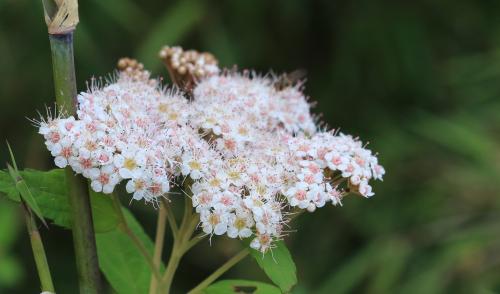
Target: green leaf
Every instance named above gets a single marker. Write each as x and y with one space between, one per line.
105 217
121 262
278 265
7 187
25 192
49 190
241 286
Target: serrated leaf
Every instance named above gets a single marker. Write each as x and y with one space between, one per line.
241 286
25 192
278 266
49 190
121 262
7 187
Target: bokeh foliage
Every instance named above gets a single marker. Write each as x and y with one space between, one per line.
420 80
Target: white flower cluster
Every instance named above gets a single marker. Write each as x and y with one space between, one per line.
251 150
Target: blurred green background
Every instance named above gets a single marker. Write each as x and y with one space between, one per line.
419 80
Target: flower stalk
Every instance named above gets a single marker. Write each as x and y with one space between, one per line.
182 241
160 238
37 247
220 271
61 18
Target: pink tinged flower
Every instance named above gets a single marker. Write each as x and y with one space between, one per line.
302 150
335 161
104 180
349 170
202 200
365 189
262 242
130 163
54 137
239 226
138 187
194 167
214 222
334 194
297 195
378 172
310 178
62 152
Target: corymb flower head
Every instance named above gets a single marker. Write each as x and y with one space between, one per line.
248 145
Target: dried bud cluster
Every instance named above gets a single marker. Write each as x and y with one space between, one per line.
133 68
187 67
252 150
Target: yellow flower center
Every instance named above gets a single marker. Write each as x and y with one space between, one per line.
213 219
195 165
243 131
129 164
163 107
234 175
173 116
215 183
139 185
240 223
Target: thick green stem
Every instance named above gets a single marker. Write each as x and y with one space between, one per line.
63 69
83 229
42 265
160 238
220 271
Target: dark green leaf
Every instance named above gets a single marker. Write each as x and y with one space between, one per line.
241 286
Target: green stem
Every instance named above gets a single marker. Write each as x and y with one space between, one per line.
138 243
181 244
42 265
160 237
83 229
63 69
171 217
220 271
195 240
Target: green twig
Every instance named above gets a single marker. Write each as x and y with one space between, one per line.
220 271
171 217
195 240
42 265
181 243
160 237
